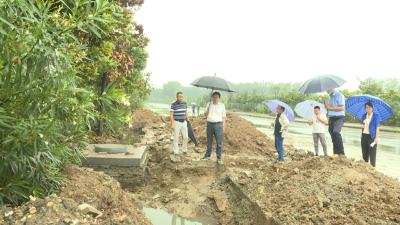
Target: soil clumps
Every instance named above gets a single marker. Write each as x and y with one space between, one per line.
89 197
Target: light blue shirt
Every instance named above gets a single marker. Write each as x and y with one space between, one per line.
336 99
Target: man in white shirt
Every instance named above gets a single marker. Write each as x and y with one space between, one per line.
318 120
216 115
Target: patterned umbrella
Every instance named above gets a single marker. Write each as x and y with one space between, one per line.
355 105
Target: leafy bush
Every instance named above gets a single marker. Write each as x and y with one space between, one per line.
45 112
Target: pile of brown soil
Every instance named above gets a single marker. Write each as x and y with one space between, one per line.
52 210
240 136
94 188
103 193
324 191
147 117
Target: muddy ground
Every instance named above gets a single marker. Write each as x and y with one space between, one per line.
304 190
98 190
249 187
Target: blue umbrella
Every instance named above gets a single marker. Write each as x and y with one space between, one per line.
355 105
272 104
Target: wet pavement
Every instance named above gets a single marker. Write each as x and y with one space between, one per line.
300 135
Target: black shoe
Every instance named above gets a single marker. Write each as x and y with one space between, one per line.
206 158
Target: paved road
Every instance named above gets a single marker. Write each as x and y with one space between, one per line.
388 156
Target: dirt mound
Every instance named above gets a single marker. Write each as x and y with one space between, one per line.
324 191
145 117
103 193
240 136
52 210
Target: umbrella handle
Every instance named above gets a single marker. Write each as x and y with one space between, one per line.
212 89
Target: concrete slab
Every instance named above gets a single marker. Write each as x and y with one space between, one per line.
110 148
134 156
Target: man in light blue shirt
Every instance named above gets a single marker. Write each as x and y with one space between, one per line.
336 108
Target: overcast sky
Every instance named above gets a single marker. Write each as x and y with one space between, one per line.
278 41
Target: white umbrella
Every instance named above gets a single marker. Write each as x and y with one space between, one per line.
306 109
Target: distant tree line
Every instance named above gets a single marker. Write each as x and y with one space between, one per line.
251 97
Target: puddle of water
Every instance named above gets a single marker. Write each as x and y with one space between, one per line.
161 217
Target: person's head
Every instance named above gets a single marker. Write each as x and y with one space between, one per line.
216 97
369 107
330 91
280 109
179 97
317 110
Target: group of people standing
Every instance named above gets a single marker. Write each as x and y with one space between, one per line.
216 115
335 105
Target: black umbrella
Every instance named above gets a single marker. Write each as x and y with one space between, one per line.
213 83
191 134
321 83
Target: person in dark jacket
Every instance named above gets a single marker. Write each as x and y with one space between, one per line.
370 124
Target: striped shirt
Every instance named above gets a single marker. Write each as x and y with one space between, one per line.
179 110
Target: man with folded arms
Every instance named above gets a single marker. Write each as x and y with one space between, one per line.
318 120
179 116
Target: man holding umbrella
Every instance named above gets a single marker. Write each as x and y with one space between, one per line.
336 111
281 126
216 115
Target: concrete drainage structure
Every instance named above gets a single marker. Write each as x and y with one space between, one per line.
125 163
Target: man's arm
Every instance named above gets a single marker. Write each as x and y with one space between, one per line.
206 111
285 124
324 121
337 109
187 116
310 122
171 116
223 124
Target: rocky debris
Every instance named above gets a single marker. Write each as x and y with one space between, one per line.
104 194
248 174
51 210
174 159
88 209
173 194
325 191
220 199
199 150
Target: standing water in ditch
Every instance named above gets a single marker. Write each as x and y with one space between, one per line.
161 217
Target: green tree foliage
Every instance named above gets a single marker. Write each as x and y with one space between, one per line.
370 86
52 56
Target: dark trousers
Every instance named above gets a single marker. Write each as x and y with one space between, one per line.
367 150
214 130
335 127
